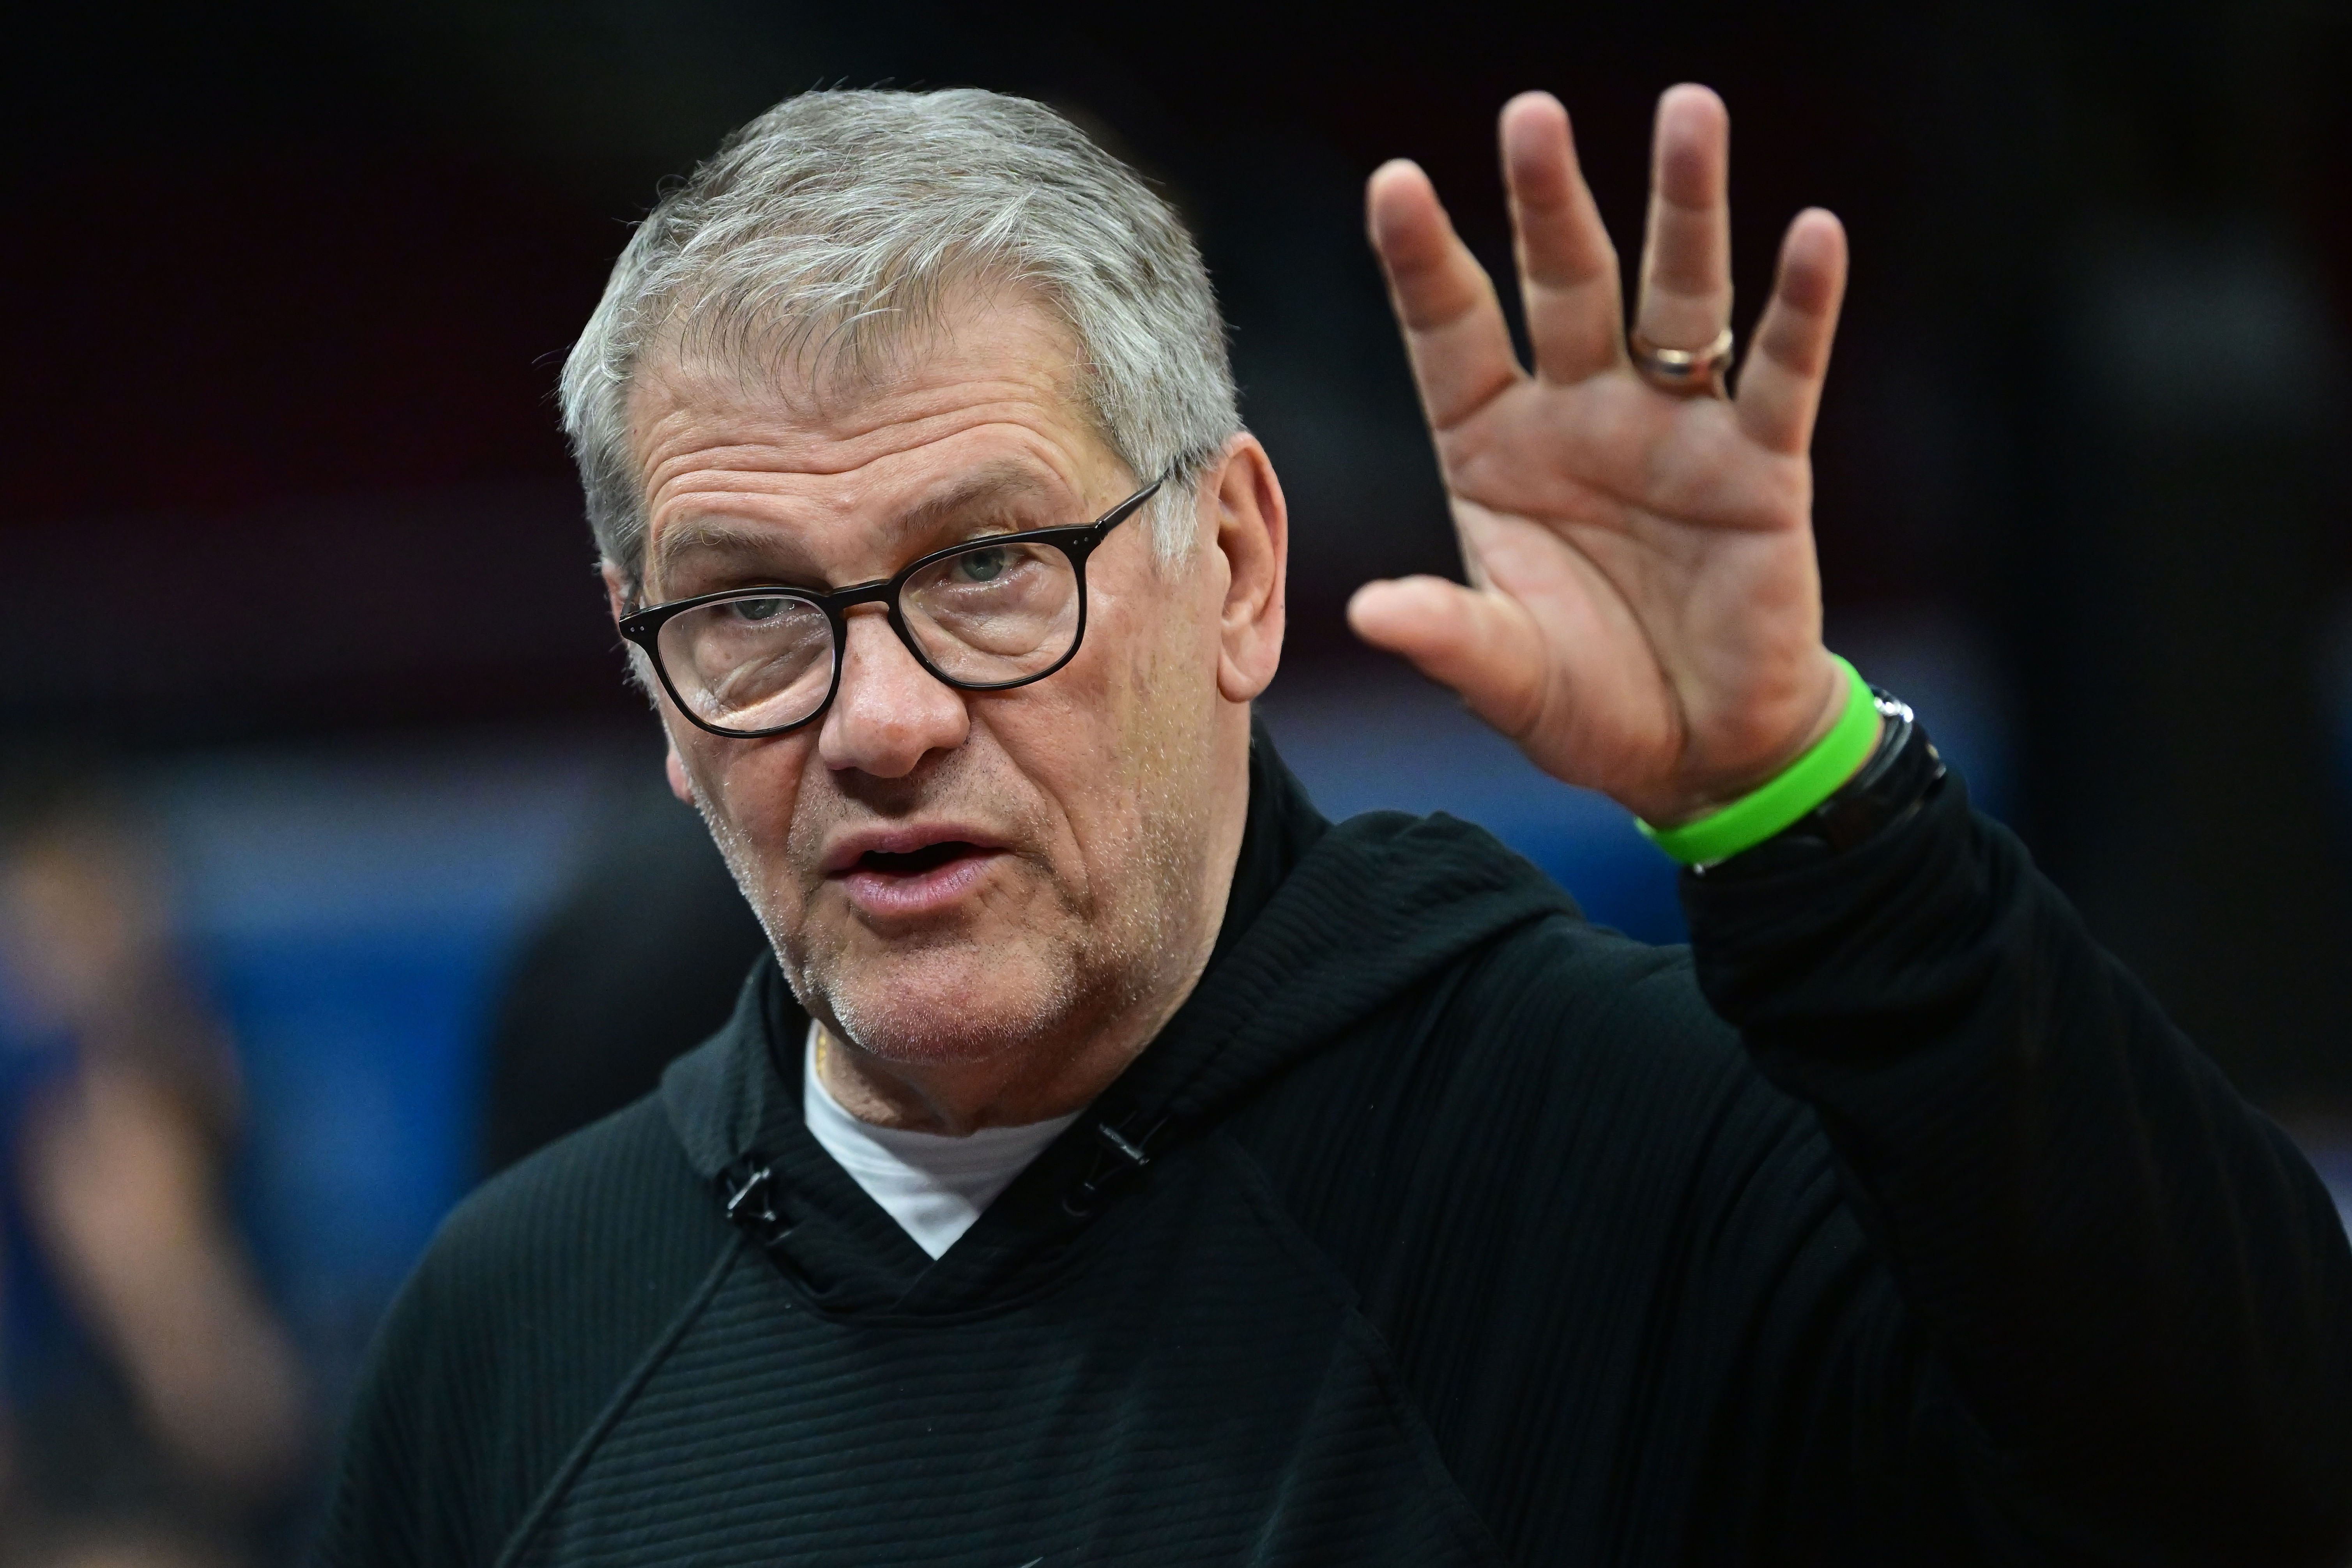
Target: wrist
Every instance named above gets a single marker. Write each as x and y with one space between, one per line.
1695 798
1901 774
1838 751
1836 696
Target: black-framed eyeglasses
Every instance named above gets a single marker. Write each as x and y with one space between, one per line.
987 614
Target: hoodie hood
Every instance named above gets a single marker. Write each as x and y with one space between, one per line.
1324 925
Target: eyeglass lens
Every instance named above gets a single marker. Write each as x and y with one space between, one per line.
987 615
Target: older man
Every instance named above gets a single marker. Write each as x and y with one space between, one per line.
1120 1162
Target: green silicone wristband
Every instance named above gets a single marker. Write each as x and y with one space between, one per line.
1803 786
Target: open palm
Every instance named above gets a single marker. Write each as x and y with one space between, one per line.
1643 616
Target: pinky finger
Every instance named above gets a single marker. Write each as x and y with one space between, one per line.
1780 384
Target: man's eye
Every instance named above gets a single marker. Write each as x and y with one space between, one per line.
984 565
756 610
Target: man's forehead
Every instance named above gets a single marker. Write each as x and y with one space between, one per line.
846 384
985 422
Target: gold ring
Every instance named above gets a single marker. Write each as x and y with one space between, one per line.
1683 372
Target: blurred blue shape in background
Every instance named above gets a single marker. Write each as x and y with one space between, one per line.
1380 736
1388 740
352 910
2332 1158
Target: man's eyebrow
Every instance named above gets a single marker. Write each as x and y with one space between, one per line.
1001 486
718 535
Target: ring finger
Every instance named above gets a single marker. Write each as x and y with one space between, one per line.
1686 298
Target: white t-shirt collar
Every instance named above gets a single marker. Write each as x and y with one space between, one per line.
932 1185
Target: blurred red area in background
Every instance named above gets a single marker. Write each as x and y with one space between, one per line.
226 330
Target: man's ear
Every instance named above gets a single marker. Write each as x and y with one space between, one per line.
616 596
1243 500
617 588
679 784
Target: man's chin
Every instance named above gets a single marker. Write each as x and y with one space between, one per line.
944 1009
913 1038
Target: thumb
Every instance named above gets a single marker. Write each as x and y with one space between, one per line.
1482 643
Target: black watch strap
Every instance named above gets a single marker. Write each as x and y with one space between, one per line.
1902 770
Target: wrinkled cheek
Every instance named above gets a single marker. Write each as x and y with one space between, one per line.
748 803
1144 709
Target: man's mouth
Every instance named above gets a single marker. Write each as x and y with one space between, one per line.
906 879
915 862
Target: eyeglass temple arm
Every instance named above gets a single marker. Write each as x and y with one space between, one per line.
1125 509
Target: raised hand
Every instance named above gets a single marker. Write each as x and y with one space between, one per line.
1644 611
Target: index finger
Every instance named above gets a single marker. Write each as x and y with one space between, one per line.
1454 326
1568 268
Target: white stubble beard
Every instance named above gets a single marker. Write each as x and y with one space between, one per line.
1117 956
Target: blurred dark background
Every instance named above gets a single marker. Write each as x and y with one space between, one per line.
292 541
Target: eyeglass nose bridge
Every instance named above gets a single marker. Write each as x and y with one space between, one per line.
885 592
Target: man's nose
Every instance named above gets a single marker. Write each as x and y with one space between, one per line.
890 711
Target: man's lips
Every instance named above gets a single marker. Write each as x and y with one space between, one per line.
877 848
910 871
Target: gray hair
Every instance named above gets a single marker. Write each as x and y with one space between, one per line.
825 230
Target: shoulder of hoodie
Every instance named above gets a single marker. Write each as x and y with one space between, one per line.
614 1207
1561 1097
538 1297
1553 1034
1561 999
1529 984
563 1213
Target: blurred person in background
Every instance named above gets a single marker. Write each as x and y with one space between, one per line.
153 1408
639 960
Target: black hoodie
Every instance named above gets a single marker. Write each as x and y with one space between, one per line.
1437 1226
